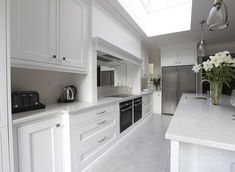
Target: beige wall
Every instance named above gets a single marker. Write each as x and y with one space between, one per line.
214 48
49 84
155 58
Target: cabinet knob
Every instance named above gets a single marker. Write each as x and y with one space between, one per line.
54 56
64 58
58 125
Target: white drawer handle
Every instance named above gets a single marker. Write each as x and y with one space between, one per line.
101 112
99 123
100 141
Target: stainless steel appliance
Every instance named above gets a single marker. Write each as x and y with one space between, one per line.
175 81
68 94
137 109
126 111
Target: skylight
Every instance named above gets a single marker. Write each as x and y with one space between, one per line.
158 17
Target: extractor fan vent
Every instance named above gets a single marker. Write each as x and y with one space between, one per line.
112 57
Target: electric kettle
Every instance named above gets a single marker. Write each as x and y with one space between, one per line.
68 95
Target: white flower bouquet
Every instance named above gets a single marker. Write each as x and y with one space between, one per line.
219 69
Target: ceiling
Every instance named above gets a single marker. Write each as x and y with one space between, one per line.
153 18
200 10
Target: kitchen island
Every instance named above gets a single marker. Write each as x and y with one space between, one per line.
202 136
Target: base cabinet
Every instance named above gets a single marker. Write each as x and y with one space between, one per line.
4 150
39 147
92 137
147 105
157 102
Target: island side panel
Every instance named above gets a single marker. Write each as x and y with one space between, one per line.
174 164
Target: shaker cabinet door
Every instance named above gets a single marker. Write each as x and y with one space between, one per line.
4 150
169 58
39 147
187 57
3 65
34 30
74 33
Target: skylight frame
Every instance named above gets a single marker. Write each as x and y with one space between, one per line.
176 18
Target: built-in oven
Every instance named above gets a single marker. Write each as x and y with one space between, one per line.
137 109
126 111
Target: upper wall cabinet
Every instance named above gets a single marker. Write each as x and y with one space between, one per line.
74 27
178 57
50 34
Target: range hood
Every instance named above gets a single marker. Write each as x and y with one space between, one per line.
104 57
108 52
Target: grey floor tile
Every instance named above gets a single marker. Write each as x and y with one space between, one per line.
144 150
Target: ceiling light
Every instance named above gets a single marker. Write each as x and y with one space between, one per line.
218 17
201 46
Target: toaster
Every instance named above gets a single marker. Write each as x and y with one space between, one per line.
26 101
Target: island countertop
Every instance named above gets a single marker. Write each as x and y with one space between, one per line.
197 121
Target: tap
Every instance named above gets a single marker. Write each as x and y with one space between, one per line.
206 80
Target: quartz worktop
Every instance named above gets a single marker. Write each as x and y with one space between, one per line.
68 108
197 121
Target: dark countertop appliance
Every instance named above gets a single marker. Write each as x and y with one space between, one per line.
26 101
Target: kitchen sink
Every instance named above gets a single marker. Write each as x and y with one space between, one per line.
199 97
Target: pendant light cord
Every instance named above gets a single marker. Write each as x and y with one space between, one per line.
202 23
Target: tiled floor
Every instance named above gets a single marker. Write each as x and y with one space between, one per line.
144 150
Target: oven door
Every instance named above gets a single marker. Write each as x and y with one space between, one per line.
125 118
137 111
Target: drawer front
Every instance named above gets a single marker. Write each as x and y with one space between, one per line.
147 110
87 149
84 117
96 126
146 100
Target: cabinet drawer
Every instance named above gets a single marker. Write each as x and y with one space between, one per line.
147 100
99 124
87 149
84 117
147 109
90 146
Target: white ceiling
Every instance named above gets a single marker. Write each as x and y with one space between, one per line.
200 10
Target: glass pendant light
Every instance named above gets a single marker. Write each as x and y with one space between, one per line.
218 17
201 46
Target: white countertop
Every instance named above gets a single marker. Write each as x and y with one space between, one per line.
197 121
57 109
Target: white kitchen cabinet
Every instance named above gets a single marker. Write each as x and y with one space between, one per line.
39 146
178 57
169 58
187 57
74 32
93 136
3 65
34 30
4 150
157 102
147 106
50 34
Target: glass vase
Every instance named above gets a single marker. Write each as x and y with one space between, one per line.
216 88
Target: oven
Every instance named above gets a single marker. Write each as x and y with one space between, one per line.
126 111
137 109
